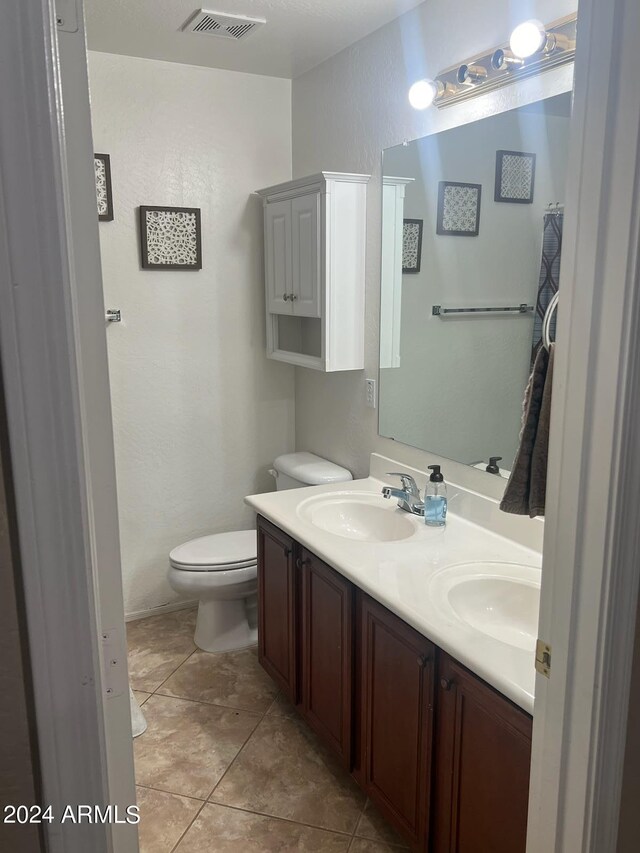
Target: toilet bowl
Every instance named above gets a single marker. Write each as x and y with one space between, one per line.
221 569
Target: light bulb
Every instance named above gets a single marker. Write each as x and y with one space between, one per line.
422 94
527 38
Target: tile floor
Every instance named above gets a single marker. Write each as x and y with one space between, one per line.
226 764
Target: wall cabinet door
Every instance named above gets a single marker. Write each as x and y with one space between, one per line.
277 592
327 650
482 766
278 271
305 238
397 718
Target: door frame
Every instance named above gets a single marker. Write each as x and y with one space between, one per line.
592 544
54 364
590 586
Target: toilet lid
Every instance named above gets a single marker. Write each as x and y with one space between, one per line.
219 551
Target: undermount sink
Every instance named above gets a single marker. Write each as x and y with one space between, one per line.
500 600
354 515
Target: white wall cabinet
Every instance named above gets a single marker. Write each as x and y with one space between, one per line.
314 233
393 191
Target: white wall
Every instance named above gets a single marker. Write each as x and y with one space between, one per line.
345 112
199 412
457 372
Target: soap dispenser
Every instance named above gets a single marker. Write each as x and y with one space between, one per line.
435 499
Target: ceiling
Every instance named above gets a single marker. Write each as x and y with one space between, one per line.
298 35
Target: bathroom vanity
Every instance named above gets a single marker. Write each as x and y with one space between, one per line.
428 707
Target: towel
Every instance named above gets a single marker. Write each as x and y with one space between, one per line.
525 491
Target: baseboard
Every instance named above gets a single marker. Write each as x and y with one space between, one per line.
163 608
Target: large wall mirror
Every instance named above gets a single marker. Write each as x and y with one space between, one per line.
472 237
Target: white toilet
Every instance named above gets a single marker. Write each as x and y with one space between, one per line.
221 570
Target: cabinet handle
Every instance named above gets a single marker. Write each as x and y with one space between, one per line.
423 660
300 563
446 683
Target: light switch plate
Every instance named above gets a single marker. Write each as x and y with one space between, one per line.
371 393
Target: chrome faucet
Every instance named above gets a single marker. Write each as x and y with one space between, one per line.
408 496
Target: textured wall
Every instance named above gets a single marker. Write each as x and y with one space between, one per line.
345 112
199 412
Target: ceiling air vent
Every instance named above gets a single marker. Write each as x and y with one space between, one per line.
233 27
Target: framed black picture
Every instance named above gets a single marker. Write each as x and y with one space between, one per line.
411 245
515 177
104 196
170 238
458 209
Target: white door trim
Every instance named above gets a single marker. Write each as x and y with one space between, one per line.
592 547
56 386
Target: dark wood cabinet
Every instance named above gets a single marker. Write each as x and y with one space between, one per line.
397 684
327 657
277 607
481 775
443 756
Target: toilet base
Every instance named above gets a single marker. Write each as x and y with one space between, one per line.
223 626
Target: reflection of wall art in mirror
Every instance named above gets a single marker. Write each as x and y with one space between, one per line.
515 177
104 198
170 238
411 245
458 209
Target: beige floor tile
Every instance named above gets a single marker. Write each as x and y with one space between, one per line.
375 828
365 845
222 830
157 646
284 772
282 707
141 696
188 745
233 679
163 819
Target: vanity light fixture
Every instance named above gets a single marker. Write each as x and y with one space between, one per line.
424 92
533 48
528 38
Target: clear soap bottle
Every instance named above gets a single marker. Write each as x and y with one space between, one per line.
435 499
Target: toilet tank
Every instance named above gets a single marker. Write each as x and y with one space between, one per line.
293 470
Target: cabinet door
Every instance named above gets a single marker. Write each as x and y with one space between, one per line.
327 646
277 239
305 229
482 766
397 716
277 590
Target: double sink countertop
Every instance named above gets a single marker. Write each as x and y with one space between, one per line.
471 591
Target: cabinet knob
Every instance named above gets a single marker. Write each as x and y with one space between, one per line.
300 563
287 552
285 297
423 660
293 296
446 683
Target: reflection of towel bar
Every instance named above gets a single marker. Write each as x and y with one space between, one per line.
523 308
548 317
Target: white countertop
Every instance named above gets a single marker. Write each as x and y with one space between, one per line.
399 575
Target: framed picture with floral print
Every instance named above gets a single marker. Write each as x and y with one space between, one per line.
170 238
104 196
458 209
411 245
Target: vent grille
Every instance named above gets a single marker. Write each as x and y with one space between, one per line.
233 27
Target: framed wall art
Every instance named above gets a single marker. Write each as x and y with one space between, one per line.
515 177
458 209
411 245
170 238
104 196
